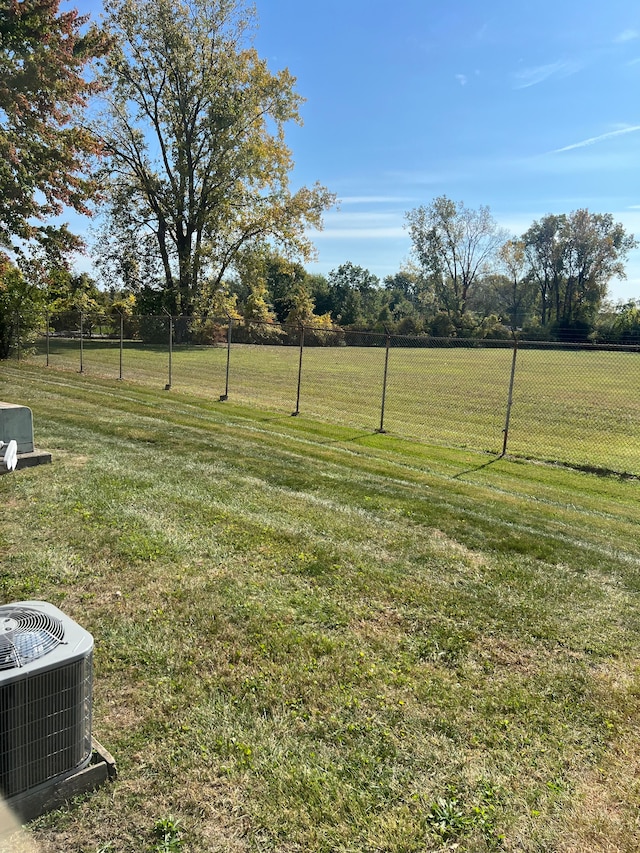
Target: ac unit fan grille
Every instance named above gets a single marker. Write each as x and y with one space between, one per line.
27 634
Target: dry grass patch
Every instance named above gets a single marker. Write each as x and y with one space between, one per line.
473 561
510 654
604 814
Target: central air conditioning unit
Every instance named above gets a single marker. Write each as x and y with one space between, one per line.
46 669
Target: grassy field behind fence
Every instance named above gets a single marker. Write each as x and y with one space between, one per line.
311 637
578 407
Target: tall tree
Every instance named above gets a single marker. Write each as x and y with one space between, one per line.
196 139
514 295
45 150
572 259
354 293
544 247
596 248
453 245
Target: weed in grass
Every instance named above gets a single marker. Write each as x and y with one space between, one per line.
452 817
168 831
447 818
445 644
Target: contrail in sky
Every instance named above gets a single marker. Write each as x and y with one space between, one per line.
593 139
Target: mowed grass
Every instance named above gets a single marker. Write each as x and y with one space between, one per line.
574 407
318 638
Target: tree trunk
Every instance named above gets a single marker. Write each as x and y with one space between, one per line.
166 264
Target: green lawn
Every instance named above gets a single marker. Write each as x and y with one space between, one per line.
575 407
313 637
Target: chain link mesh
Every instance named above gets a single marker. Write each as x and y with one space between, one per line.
572 404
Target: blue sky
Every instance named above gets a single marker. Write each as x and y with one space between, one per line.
527 107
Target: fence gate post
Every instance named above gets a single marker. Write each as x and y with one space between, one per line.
510 398
225 396
384 384
297 411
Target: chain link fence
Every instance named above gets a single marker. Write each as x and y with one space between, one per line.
572 404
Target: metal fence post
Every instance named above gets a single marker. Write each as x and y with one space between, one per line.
384 384
121 342
47 337
81 343
225 396
510 397
297 411
167 387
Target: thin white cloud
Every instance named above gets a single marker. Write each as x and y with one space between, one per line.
374 199
358 218
627 35
364 225
360 234
538 74
462 79
595 139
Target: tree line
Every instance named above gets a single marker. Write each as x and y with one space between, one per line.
183 158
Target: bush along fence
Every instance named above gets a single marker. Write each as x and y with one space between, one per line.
571 403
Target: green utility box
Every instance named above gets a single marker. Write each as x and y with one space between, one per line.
16 423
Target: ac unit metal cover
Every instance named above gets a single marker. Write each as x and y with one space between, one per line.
46 672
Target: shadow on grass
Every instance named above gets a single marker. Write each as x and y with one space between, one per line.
357 437
477 467
320 439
